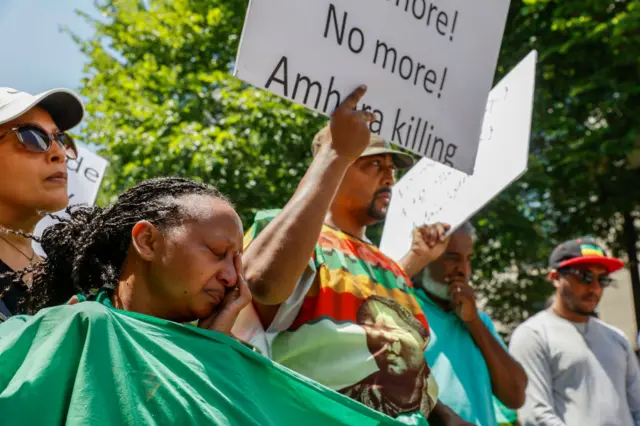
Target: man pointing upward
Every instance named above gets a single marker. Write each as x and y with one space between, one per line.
327 303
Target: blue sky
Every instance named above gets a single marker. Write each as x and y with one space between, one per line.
36 55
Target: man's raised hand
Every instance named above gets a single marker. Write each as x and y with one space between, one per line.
428 244
430 241
350 134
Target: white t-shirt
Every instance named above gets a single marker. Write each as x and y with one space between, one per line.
580 374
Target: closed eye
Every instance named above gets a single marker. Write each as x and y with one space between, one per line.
220 255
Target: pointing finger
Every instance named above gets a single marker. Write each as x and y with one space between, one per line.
366 116
352 100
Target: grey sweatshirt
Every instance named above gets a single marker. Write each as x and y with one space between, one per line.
580 374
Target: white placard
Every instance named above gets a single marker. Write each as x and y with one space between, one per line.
423 62
84 178
431 192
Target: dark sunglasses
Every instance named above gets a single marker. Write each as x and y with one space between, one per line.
588 277
36 139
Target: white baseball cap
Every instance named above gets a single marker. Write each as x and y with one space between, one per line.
64 106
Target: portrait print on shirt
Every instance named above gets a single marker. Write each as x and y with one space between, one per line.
397 342
352 324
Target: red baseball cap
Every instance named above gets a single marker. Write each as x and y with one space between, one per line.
580 252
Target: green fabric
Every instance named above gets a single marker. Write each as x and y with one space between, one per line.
505 416
88 364
102 297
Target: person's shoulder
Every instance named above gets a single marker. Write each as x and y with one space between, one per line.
85 313
610 328
12 325
82 315
612 331
537 321
532 326
88 312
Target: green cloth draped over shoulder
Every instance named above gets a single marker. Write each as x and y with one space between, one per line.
88 364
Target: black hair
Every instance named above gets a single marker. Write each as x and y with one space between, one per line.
86 250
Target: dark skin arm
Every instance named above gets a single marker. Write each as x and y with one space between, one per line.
441 415
277 258
508 379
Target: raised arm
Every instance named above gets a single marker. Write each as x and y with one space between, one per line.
276 259
428 242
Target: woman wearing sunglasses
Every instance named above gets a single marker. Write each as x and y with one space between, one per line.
34 149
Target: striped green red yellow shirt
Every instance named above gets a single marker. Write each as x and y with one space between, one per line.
352 324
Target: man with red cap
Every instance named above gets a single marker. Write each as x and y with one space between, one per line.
581 371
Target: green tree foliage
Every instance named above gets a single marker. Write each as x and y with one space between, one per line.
583 176
162 101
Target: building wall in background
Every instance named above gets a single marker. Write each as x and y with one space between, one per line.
616 306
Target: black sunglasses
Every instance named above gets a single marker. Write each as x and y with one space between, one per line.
588 277
36 139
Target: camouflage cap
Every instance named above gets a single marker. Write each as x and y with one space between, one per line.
377 146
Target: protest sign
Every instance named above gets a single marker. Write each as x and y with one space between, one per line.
84 178
423 62
432 193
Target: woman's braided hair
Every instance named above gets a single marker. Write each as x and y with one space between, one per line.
86 250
